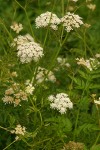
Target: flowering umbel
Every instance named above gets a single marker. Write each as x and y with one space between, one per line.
19 130
17 27
14 95
27 49
71 145
97 102
71 21
60 102
91 64
43 73
46 19
29 87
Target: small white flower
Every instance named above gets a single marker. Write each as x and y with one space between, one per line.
89 63
97 102
16 27
60 102
51 98
67 65
14 95
29 89
9 91
71 21
91 6
62 110
53 105
86 25
97 55
42 74
63 62
27 82
51 76
46 19
59 60
27 49
14 74
19 130
17 138
8 99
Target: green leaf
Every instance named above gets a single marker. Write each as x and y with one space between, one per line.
94 86
79 82
96 147
86 128
61 123
11 120
84 75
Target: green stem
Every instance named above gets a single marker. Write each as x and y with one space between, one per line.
63 42
96 139
48 26
26 17
7 31
29 23
9 145
53 60
19 4
99 126
76 123
84 43
41 142
45 39
78 113
67 5
62 8
4 128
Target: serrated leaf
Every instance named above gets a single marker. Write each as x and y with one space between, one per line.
95 76
84 75
79 82
60 123
86 128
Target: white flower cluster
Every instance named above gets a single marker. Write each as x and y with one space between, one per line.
27 49
22 40
42 74
60 102
71 145
14 95
86 25
29 87
97 55
16 27
46 19
91 6
71 21
19 130
14 74
97 102
89 63
63 62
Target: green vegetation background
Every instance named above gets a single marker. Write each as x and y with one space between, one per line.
9 12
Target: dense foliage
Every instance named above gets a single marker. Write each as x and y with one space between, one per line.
49 75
